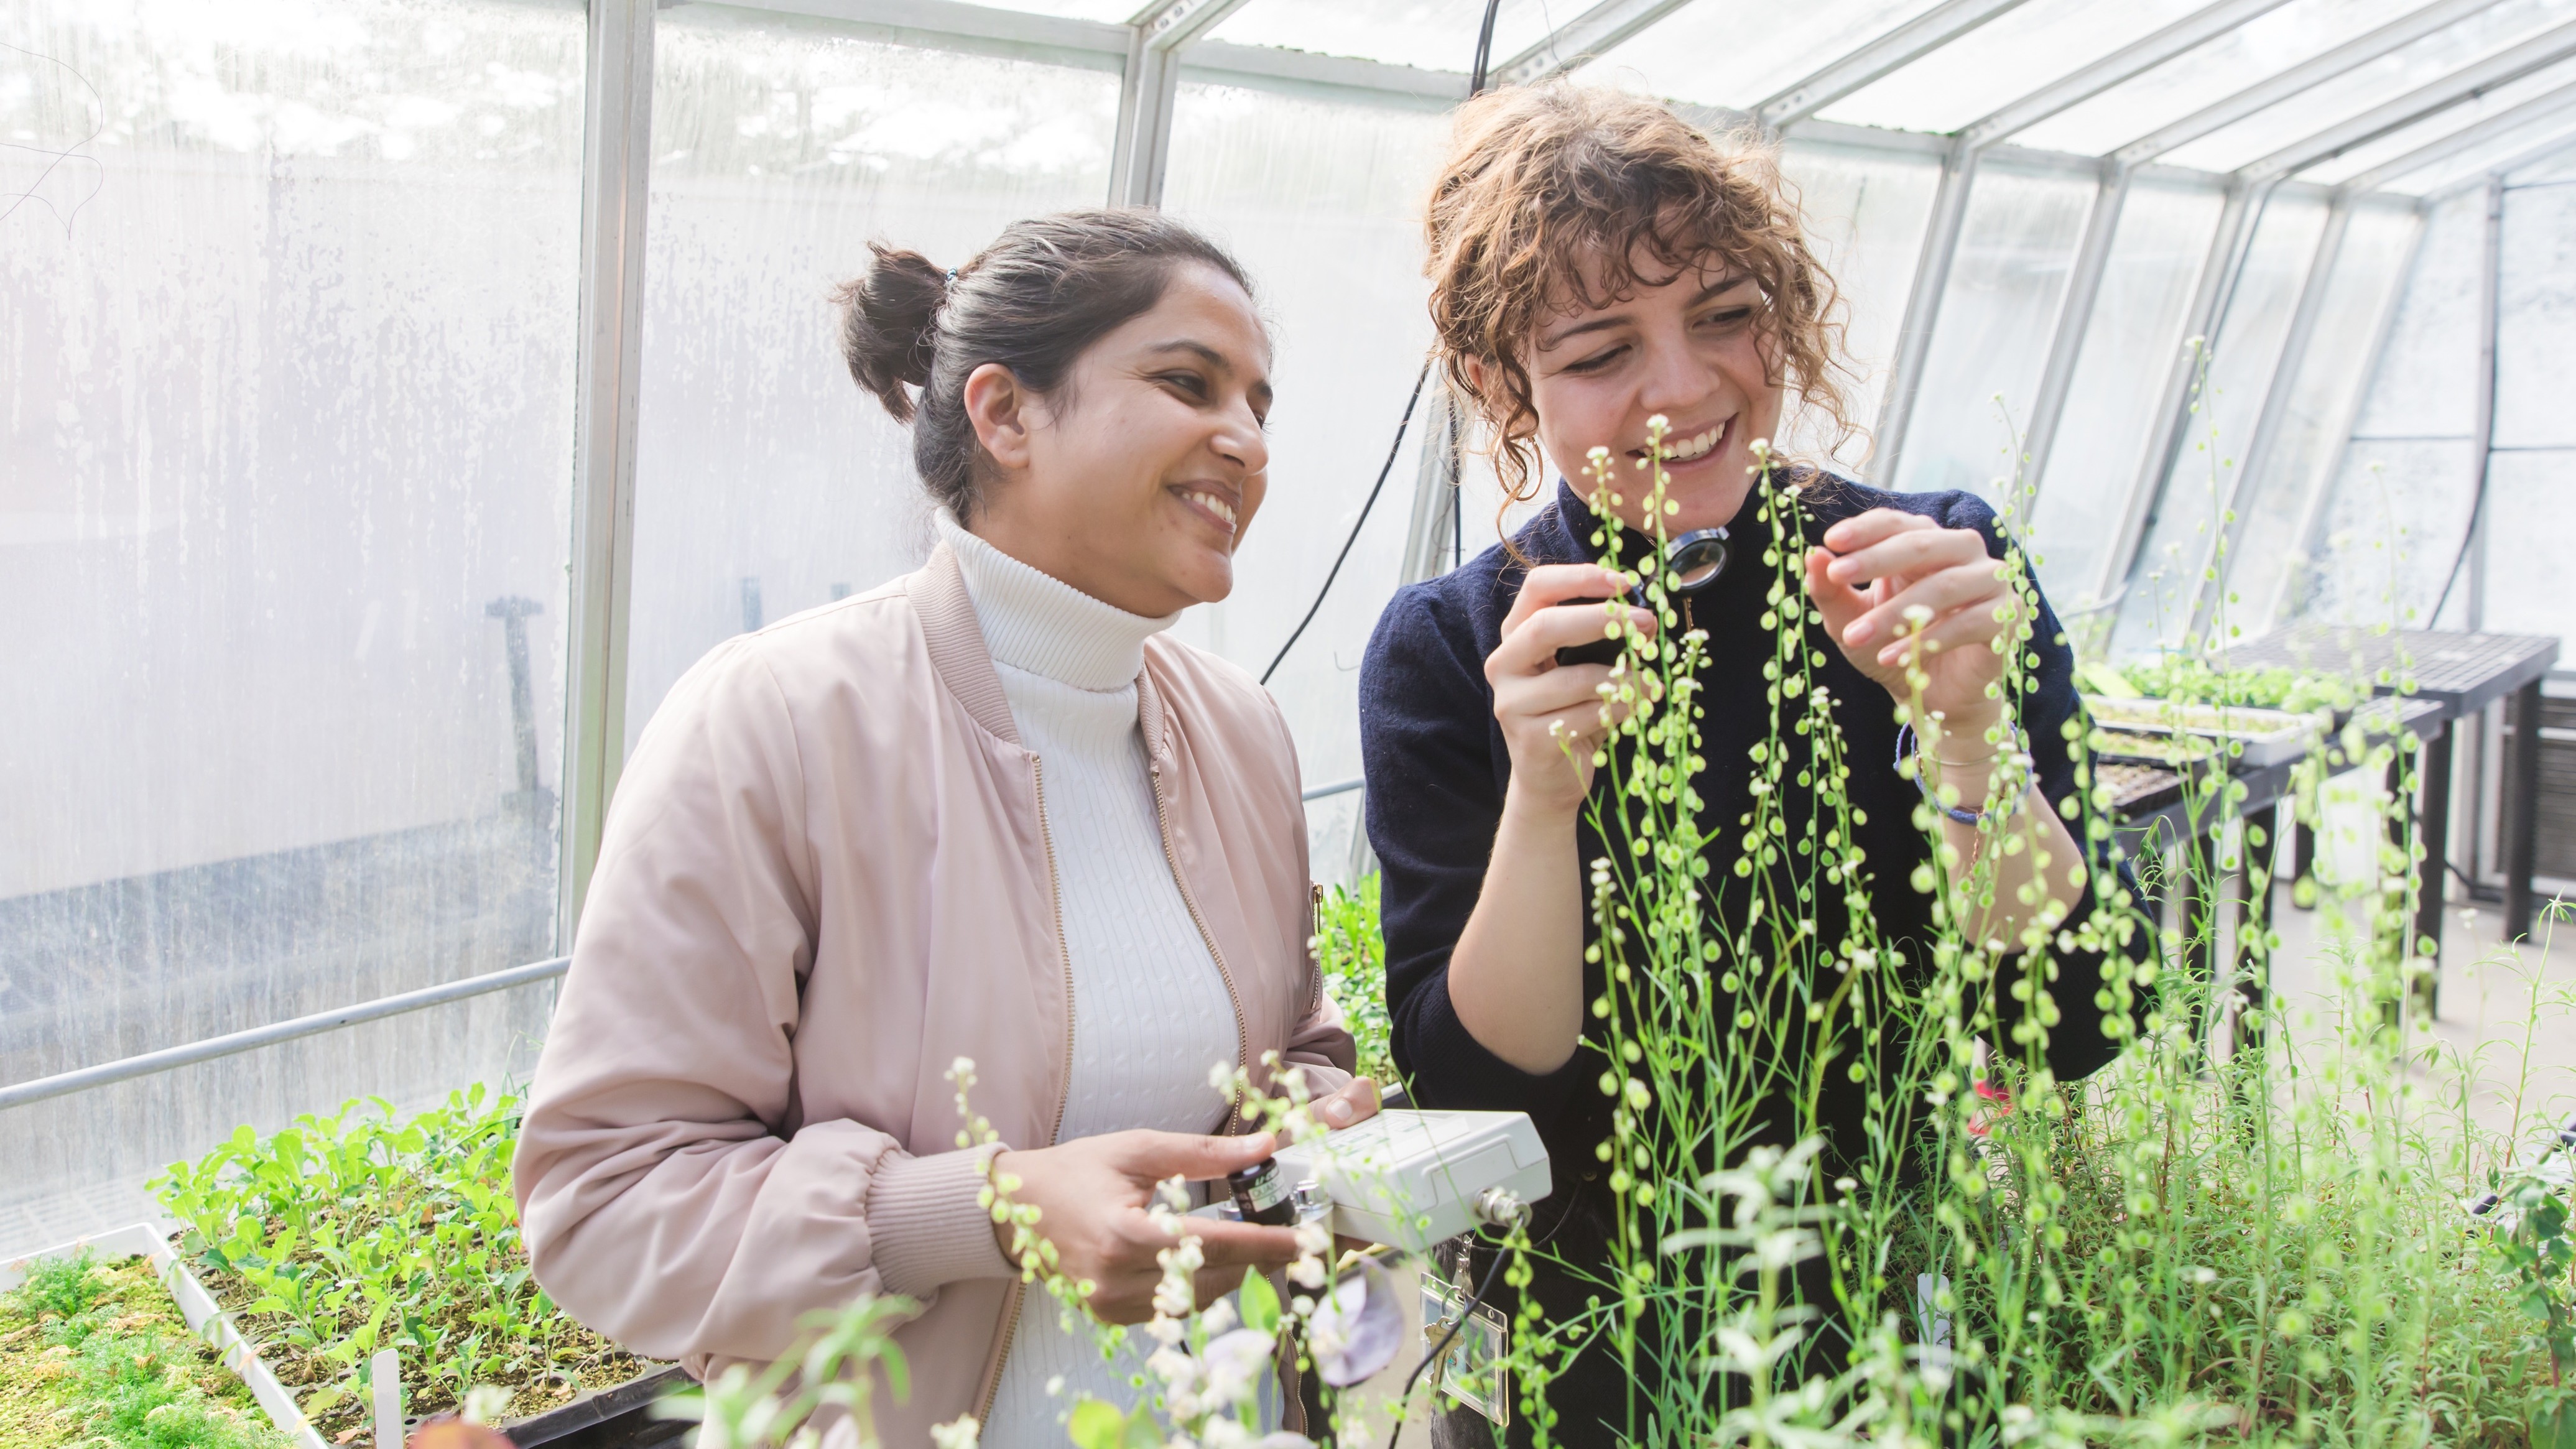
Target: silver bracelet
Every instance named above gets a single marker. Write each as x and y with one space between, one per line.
1905 741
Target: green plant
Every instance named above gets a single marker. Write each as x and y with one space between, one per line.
843 1352
348 1234
2193 677
2247 1228
96 1353
1351 952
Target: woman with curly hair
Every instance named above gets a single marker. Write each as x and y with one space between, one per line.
1596 264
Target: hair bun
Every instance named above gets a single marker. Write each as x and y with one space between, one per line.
889 324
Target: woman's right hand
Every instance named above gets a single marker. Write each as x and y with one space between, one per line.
1551 713
1092 1193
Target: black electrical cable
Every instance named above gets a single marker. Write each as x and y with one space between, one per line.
1501 1256
1484 50
1370 502
2477 505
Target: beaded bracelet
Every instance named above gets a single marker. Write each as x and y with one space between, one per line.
1905 746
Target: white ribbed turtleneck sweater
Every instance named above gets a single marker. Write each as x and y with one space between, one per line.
1151 1012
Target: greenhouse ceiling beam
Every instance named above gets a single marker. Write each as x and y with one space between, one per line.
2251 186
2546 150
1149 82
1878 59
930 22
617 134
2465 84
1958 179
1582 39
2532 115
2351 55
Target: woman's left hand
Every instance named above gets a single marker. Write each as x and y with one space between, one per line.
1348 1107
1877 569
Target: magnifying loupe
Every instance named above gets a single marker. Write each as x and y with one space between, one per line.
1692 562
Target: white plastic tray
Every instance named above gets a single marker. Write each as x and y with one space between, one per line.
2269 735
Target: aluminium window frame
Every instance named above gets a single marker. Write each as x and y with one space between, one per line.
2255 182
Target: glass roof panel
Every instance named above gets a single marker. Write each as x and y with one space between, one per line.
1432 34
1722 55
2384 79
2557 132
2003 60
2253 52
2558 166
2400 143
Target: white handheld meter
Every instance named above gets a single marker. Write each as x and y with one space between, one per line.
1412 1178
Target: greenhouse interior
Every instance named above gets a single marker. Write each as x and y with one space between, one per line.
412 403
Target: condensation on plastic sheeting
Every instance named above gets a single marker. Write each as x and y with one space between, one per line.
2401 493
2531 533
766 482
2121 365
1322 203
288 391
2280 496
2209 469
1866 212
1981 374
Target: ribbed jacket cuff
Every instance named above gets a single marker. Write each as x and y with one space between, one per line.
924 1228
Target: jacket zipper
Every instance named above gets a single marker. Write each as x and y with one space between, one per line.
1055 895
1171 857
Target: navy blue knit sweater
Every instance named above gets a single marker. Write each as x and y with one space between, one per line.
1437 767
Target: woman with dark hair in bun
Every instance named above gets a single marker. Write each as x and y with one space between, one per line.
989 810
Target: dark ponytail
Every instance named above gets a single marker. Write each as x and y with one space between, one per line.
1033 301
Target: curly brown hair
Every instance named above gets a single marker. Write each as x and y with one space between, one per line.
1544 180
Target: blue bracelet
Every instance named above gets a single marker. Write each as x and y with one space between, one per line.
1905 746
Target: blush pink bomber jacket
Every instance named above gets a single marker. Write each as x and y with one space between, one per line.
825 877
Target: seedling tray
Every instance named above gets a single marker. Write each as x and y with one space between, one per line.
197 1306
2269 736
617 1417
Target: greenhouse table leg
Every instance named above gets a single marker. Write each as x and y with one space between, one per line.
2523 804
2434 828
2303 856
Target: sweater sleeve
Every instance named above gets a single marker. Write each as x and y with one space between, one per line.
1434 803
667 1202
2077 1044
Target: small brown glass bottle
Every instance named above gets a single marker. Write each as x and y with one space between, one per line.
1263 1194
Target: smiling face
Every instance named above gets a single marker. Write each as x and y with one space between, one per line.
1686 345
1135 480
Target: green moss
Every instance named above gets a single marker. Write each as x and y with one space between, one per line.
96 1354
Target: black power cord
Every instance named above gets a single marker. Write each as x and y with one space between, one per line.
1457 535
1501 1256
1484 50
1392 449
